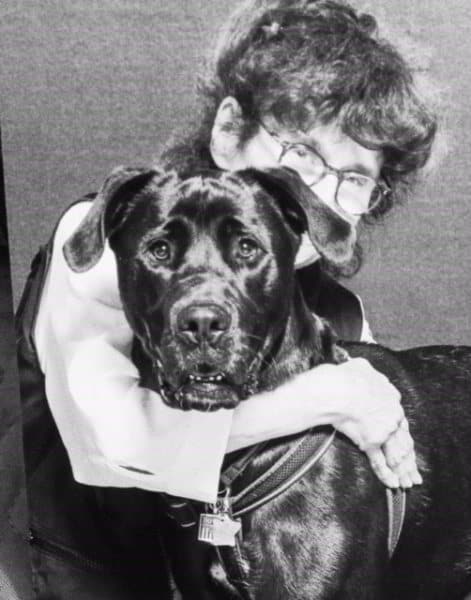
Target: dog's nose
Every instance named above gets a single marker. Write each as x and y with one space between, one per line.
203 322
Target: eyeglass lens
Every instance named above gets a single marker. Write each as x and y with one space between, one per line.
356 194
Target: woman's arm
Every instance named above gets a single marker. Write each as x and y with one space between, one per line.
353 397
116 432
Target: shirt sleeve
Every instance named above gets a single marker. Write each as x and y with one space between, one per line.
116 433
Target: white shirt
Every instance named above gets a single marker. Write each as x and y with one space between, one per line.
106 420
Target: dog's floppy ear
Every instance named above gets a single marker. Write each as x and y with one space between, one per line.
332 236
85 247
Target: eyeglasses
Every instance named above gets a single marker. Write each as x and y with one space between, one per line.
356 194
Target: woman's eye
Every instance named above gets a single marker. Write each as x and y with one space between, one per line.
300 151
160 250
357 180
247 248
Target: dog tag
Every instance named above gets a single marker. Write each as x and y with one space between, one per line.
218 529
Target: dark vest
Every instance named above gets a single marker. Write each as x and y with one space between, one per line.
105 540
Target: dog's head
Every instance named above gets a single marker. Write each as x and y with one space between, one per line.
206 268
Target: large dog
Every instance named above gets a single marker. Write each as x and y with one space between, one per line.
207 279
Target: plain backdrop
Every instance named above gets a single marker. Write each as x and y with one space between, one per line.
15 570
90 84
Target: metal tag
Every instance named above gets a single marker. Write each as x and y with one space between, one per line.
218 529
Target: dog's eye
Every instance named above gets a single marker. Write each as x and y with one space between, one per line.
247 248
160 250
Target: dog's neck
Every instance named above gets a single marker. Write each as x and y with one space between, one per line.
299 347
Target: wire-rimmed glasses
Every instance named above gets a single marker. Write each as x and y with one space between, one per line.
356 194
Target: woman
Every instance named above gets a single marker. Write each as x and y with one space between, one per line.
307 85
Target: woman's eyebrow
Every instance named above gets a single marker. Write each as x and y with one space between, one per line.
357 167
310 142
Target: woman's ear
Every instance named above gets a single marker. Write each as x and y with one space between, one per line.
225 135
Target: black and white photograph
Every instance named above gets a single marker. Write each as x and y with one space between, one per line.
236 241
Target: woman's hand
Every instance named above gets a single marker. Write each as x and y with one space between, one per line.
373 418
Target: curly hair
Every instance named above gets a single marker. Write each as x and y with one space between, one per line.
320 61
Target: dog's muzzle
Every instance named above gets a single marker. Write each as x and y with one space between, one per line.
203 365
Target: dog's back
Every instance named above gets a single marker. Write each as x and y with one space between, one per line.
433 559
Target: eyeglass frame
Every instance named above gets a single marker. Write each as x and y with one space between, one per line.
381 184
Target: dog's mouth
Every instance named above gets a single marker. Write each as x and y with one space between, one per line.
205 391
208 392
218 379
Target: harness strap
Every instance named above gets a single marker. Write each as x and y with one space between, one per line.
300 458
396 514
232 472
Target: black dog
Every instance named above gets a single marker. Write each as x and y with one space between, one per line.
206 274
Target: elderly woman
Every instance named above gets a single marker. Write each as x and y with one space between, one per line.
306 85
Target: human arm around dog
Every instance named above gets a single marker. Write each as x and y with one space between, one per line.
358 400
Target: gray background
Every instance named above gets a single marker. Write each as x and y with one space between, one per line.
15 570
89 84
